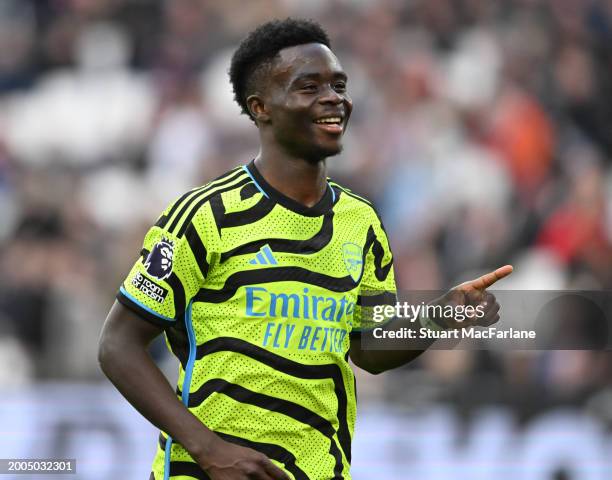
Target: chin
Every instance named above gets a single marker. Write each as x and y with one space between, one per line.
321 152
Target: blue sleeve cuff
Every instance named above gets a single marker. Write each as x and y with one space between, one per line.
151 316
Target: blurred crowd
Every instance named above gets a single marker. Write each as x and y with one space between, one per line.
481 130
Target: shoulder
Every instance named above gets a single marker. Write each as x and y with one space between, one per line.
356 203
194 204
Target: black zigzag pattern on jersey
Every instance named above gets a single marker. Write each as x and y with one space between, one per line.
248 191
307 246
195 202
380 271
186 468
197 248
297 274
235 219
289 367
179 341
384 298
270 450
272 275
290 409
194 199
163 220
202 199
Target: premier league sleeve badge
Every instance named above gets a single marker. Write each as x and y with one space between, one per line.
158 263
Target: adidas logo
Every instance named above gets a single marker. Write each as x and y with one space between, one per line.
264 257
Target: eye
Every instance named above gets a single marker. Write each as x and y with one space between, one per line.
340 86
309 87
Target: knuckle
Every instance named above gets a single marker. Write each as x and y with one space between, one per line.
251 469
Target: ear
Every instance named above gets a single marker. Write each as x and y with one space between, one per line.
257 108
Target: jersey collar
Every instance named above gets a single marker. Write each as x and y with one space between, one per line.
320 208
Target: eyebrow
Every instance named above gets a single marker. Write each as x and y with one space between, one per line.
316 76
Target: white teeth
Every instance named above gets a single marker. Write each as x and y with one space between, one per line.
329 120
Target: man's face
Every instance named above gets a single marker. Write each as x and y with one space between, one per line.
307 101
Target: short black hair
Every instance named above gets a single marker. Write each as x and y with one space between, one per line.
262 45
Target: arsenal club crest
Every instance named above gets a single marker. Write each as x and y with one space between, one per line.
353 260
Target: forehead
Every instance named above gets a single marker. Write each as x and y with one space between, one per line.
308 59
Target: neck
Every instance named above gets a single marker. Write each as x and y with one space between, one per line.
297 178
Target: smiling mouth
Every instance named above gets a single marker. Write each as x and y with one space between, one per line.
332 124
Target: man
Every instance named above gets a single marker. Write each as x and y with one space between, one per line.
257 280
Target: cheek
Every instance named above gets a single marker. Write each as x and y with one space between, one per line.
298 107
290 124
295 117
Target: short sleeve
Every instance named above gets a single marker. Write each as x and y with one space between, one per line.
377 286
170 271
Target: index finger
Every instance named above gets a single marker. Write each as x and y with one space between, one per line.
490 278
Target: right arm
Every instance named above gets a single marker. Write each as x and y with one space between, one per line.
124 359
